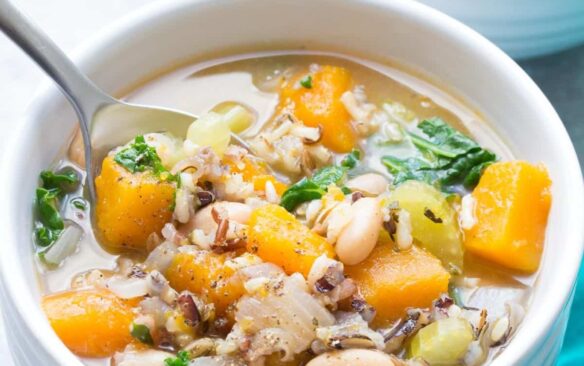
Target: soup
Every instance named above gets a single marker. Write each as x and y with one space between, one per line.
366 217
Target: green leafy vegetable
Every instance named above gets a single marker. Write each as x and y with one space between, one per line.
451 158
51 224
308 189
79 203
65 181
139 156
46 204
46 236
306 82
181 359
142 333
350 161
443 140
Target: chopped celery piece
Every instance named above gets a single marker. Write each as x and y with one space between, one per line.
443 342
210 130
237 117
434 221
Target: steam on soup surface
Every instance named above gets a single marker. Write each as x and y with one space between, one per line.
372 220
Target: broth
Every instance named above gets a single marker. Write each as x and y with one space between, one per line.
252 80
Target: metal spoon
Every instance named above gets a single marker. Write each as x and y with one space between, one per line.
105 122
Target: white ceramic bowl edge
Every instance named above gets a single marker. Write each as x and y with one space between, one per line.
408 32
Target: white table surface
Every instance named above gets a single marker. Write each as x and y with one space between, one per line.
70 22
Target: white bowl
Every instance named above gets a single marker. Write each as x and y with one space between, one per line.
408 32
522 28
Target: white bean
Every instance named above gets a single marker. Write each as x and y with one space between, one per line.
359 237
352 357
370 184
236 211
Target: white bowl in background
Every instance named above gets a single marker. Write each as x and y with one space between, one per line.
413 34
522 28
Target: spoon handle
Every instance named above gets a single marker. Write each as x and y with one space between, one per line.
85 96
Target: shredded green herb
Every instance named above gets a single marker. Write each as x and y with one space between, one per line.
50 222
306 82
64 181
46 236
181 359
142 333
140 156
350 161
449 158
308 189
79 203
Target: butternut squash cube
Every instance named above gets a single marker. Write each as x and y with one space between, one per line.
512 205
130 206
204 273
320 104
393 281
91 323
277 237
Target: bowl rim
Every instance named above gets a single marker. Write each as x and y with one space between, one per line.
30 313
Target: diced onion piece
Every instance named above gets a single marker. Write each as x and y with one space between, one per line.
128 288
287 311
237 117
467 216
210 130
160 258
65 245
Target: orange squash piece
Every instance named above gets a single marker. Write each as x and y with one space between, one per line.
512 205
259 183
204 273
129 206
256 173
277 237
321 105
394 281
91 323
247 167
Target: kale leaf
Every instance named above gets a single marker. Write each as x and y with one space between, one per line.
451 158
139 156
181 359
409 169
308 189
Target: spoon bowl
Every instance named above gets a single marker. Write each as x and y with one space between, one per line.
116 123
105 122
